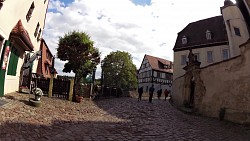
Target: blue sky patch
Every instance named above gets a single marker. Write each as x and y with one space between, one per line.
66 2
141 2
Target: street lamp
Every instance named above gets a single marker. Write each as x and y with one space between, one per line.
102 77
93 82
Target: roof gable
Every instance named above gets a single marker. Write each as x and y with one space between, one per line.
159 64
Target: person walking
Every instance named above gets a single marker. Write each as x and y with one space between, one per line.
140 91
151 92
166 92
159 92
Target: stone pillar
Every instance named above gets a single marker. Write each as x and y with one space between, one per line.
71 89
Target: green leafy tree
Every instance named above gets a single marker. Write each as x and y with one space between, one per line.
119 70
78 49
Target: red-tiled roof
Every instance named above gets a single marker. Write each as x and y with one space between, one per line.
155 62
21 36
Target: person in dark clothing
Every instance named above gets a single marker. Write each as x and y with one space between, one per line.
159 92
166 92
140 91
151 92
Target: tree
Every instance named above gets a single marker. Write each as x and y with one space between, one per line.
78 49
119 70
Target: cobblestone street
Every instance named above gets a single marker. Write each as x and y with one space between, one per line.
109 119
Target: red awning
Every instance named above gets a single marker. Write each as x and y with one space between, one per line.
21 37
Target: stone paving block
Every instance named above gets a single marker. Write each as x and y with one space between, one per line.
110 119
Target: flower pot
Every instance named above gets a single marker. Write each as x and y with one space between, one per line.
79 99
37 97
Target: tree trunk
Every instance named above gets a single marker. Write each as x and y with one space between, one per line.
77 85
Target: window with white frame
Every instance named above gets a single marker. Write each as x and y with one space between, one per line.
183 59
184 40
225 54
210 56
208 35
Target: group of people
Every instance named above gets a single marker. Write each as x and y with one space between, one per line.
151 92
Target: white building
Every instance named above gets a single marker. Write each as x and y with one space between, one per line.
21 27
213 39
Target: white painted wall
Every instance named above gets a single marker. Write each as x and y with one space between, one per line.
233 18
217 57
10 14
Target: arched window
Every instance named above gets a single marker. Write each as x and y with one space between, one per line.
208 35
184 40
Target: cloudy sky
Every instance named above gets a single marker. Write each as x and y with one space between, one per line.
137 26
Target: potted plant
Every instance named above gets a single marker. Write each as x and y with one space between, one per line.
79 96
38 93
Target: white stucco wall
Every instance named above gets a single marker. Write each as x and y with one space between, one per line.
10 14
234 19
217 57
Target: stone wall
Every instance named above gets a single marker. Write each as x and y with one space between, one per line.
225 85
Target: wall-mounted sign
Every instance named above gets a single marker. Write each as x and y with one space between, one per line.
6 56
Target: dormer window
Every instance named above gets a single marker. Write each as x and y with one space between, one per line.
208 35
184 40
32 7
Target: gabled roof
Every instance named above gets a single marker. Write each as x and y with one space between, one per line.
156 62
196 34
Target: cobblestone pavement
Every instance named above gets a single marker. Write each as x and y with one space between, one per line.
109 119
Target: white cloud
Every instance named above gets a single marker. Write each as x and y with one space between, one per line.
122 25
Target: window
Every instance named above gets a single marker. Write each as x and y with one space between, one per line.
158 74
47 69
13 62
1 42
32 7
210 57
237 31
225 54
208 35
36 31
197 56
39 34
149 73
183 59
184 40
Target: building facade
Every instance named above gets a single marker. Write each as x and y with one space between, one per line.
156 71
21 27
212 40
219 90
45 65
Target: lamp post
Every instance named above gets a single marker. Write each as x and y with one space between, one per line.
102 78
93 82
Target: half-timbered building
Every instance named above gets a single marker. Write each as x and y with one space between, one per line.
156 71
